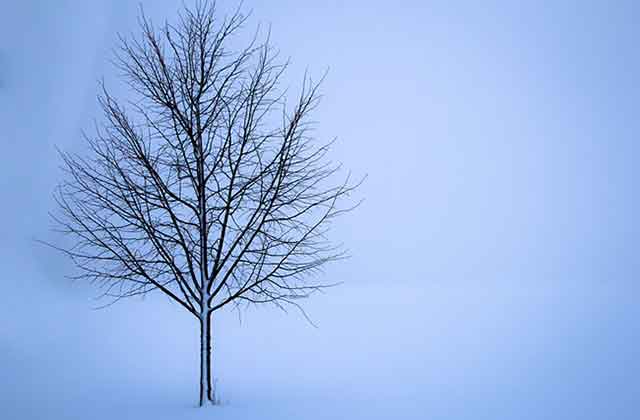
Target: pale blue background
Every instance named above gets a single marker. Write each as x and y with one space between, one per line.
495 261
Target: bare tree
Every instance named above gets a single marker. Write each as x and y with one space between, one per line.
206 186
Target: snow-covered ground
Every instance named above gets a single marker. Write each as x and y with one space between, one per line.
460 350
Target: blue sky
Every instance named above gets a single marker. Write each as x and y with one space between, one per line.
494 269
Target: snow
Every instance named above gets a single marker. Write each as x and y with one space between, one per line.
428 351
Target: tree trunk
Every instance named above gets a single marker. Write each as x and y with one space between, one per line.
206 390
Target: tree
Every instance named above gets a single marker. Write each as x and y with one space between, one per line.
204 185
